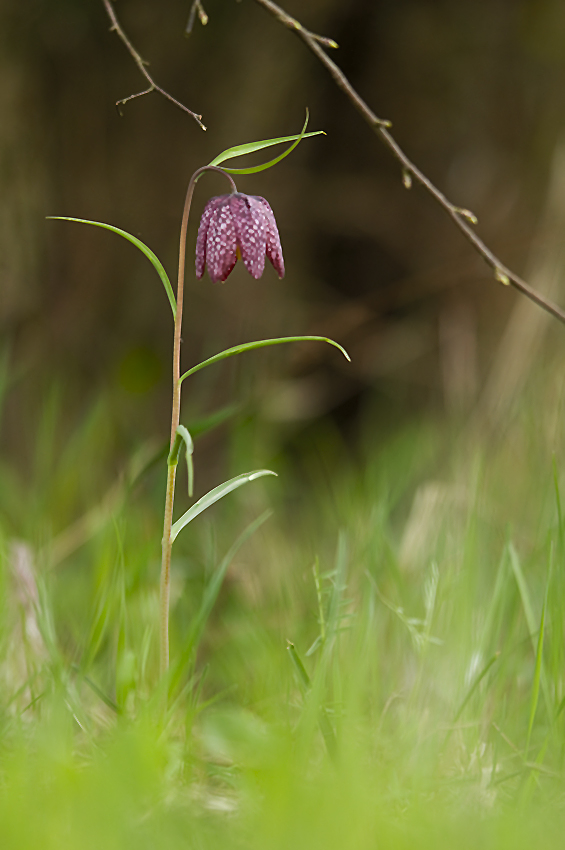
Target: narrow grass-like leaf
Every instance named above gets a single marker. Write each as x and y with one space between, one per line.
209 598
183 436
474 685
530 619
558 503
537 677
339 586
319 595
189 462
251 147
213 587
494 608
262 343
311 693
149 457
537 769
538 670
529 613
523 589
214 496
100 693
102 615
153 258
300 669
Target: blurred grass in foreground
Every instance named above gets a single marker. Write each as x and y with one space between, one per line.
420 580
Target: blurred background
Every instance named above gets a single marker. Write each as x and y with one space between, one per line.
475 94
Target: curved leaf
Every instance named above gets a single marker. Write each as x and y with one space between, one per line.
209 598
183 436
214 496
262 343
153 258
251 147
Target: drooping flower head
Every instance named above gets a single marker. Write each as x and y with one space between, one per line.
237 225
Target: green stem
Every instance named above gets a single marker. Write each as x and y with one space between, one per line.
167 543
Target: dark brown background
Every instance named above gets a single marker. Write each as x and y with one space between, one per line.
475 94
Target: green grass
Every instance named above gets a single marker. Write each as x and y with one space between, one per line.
379 662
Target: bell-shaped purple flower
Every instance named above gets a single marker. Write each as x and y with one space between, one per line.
237 225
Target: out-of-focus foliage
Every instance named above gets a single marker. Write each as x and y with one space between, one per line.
411 581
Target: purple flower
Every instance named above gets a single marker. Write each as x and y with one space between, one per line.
233 226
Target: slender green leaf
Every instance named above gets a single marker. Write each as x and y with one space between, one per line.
153 258
302 675
537 677
251 147
209 598
494 606
558 503
530 619
214 496
100 693
189 463
339 586
183 436
474 685
262 343
319 595
539 671
523 590
311 691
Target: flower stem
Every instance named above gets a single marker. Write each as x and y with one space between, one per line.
167 543
165 588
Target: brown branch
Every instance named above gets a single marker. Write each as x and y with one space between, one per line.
461 217
141 64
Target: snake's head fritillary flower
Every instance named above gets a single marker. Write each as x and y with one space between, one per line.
233 226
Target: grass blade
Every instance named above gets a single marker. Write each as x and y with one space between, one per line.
153 258
209 598
300 669
522 589
311 696
262 343
529 614
474 685
558 503
537 677
538 670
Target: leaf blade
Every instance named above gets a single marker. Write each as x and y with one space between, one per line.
262 343
214 496
251 147
151 256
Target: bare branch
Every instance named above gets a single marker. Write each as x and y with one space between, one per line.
461 217
141 64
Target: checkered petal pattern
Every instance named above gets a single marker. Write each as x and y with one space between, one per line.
237 225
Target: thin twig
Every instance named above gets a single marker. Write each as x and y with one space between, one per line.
196 7
461 217
141 64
